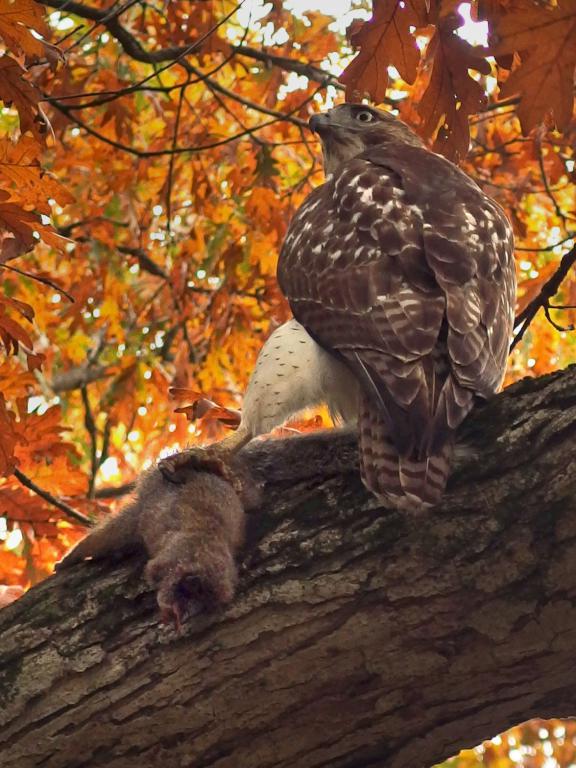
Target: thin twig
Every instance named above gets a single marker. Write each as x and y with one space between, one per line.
144 261
90 425
542 300
47 496
109 16
98 98
570 236
162 152
559 212
171 162
134 49
554 324
130 45
43 280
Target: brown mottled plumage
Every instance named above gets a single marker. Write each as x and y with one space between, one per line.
403 268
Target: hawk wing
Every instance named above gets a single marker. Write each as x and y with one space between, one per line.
403 267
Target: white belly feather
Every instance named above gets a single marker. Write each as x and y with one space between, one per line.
293 373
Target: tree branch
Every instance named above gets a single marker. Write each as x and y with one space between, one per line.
68 111
360 638
542 301
51 499
133 48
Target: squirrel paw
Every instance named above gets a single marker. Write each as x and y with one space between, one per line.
175 468
188 588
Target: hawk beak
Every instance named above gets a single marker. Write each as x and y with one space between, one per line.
318 122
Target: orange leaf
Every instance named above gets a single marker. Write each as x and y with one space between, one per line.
21 174
17 228
16 382
20 306
9 438
10 593
452 95
15 90
15 17
184 393
35 361
384 40
203 408
12 334
545 38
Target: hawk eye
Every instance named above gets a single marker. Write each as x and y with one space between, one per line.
364 116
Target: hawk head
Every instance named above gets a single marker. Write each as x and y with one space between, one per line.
349 129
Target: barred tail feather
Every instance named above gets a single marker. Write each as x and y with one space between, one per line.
403 482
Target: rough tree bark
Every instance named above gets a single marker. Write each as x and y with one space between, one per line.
361 637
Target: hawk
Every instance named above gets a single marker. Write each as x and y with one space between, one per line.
402 269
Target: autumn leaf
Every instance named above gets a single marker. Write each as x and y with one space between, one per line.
383 41
15 382
17 17
23 309
115 399
261 206
9 593
209 410
302 425
266 167
184 393
18 227
43 434
12 334
13 568
203 408
17 91
544 37
452 94
22 175
10 437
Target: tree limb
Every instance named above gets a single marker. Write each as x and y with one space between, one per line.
360 638
133 48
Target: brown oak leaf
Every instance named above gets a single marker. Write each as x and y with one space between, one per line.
385 40
16 90
9 438
544 37
22 176
16 19
452 94
17 228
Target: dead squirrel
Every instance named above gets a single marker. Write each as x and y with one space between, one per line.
191 531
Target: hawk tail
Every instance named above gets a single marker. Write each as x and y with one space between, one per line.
403 482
